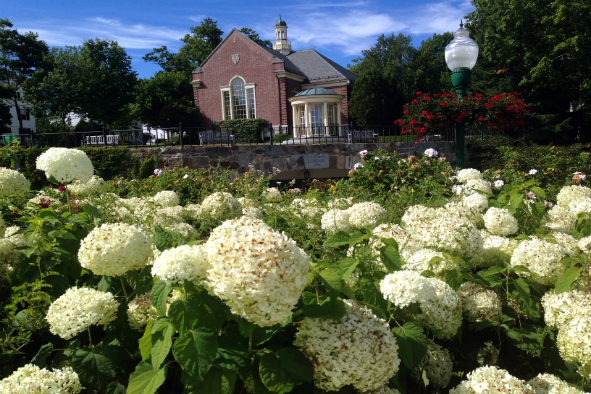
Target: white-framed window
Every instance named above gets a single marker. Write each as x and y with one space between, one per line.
238 99
24 114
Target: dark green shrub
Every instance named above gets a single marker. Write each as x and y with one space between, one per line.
245 130
279 138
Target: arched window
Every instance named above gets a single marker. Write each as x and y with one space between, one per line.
238 100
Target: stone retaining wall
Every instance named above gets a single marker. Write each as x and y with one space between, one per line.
287 157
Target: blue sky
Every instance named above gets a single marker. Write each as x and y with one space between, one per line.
338 30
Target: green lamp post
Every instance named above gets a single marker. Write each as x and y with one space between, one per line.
460 56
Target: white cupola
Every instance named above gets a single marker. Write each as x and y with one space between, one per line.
281 44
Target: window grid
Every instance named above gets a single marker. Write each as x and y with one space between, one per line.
239 98
251 104
227 111
317 123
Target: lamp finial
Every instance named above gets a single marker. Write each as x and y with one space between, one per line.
461 23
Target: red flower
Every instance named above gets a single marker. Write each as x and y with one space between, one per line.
509 108
443 103
412 122
419 93
427 98
415 101
430 117
480 118
488 106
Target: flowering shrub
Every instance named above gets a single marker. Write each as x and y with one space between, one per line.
429 114
425 281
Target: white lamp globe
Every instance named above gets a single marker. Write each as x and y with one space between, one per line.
462 51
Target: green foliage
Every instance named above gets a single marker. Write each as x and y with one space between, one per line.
279 138
165 100
375 99
245 130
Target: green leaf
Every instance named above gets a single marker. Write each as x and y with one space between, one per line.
412 344
162 239
44 352
539 192
334 310
332 280
48 215
356 238
61 234
162 332
454 279
373 296
184 314
146 379
212 312
233 356
296 364
491 271
566 281
347 266
98 366
274 375
159 296
196 351
145 342
246 328
391 258
338 239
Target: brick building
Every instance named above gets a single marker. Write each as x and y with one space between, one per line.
242 79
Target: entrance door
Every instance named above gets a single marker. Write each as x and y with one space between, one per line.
317 120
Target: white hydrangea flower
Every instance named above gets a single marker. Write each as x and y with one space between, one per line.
114 249
78 309
476 200
31 379
473 186
336 220
469 173
499 183
580 205
65 165
462 210
584 244
453 234
393 231
437 364
574 342
421 261
257 271
246 202
383 390
499 221
220 206
546 383
192 211
431 152
183 263
568 244
253 212
479 304
403 288
140 311
186 230
560 309
13 183
496 250
340 203
360 350
568 194
542 258
166 198
8 244
442 314
95 185
367 214
417 214
272 194
491 380
561 220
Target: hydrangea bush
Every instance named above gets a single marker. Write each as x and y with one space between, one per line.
408 277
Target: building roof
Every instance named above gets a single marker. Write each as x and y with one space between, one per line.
315 91
281 22
318 68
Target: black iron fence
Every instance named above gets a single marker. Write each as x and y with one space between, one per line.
199 136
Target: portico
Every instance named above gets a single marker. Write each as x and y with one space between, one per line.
316 112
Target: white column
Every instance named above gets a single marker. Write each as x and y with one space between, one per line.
294 119
339 119
325 117
307 114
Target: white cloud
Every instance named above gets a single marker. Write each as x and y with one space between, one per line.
197 18
131 36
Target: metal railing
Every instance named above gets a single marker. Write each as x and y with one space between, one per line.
200 136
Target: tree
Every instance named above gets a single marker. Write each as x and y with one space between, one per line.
55 90
431 73
253 35
202 40
393 55
375 99
165 100
5 116
107 81
540 48
20 56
